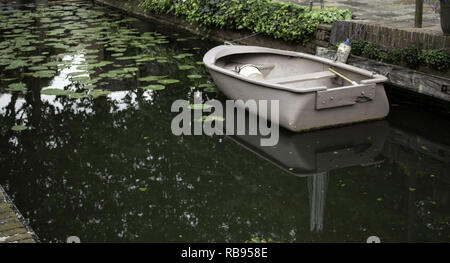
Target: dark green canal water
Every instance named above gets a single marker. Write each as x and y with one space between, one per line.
86 147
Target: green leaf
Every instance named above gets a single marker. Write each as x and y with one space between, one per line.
194 76
199 106
154 87
19 128
211 118
168 81
44 74
185 67
151 78
17 87
56 92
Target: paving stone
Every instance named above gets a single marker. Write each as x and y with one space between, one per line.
11 227
20 238
398 12
19 230
6 215
27 241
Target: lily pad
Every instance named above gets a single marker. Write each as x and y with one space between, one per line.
206 85
184 55
77 73
168 81
56 92
211 89
17 87
194 76
154 87
90 86
151 78
185 67
17 64
27 49
131 69
19 128
78 95
44 74
199 106
81 79
38 68
211 118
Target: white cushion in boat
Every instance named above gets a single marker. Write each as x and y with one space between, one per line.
303 77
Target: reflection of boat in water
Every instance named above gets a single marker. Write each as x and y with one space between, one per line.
314 154
305 154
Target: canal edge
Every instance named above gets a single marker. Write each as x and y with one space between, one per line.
14 227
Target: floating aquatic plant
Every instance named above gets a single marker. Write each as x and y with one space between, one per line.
211 118
17 64
38 68
211 89
56 92
154 87
168 81
19 128
206 85
184 55
17 87
185 67
44 74
151 78
199 106
194 76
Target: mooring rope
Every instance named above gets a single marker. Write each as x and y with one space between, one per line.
239 39
358 32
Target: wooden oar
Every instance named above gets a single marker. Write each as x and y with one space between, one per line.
342 76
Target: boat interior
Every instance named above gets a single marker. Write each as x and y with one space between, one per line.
294 72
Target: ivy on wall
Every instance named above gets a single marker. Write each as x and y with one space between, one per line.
279 20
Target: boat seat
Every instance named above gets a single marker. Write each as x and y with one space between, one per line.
303 77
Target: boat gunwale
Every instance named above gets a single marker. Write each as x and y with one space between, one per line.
213 55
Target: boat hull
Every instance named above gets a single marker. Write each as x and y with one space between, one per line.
301 111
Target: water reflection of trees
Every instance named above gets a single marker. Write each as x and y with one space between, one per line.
84 165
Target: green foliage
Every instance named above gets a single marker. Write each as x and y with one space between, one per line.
357 47
393 56
371 51
412 56
436 59
287 21
336 47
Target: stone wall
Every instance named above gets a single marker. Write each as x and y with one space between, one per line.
408 79
388 37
